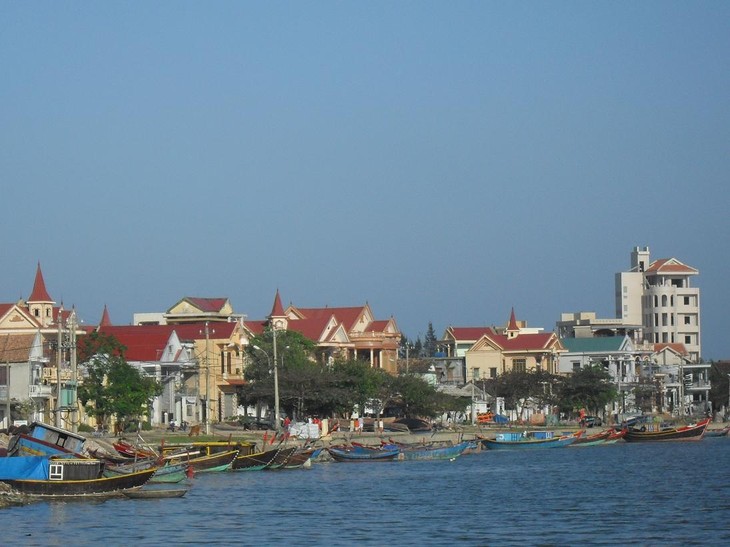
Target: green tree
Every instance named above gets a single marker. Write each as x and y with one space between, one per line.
517 387
418 399
111 386
590 387
430 342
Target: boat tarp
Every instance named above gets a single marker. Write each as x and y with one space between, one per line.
24 468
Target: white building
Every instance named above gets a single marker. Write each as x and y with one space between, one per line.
659 295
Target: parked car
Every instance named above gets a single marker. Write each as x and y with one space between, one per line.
593 421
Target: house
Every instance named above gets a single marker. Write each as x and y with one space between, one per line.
486 352
36 340
684 385
618 355
659 295
198 364
339 332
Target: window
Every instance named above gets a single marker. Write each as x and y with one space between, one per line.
493 372
686 300
688 339
664 301
576 366
687 320
475 373
519 365
55 472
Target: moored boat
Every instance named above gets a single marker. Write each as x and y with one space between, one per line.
220 461
529 440
254 462
691 432
592 440
42 476
362 453
409 452
156 493
281 457
715 433
46 440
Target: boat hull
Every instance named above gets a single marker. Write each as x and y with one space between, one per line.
528 444
101 487
361 454
693 432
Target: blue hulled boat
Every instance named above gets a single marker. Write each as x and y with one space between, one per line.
528 439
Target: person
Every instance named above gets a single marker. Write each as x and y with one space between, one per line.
172 426
582 414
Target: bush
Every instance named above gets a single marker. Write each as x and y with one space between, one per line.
85 428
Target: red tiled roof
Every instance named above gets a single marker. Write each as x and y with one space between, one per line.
207 305
377 326
469 333
668 266
147 342
677 348
348 316
523 342
39 293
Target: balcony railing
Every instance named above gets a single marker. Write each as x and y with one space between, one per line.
40 391
49 374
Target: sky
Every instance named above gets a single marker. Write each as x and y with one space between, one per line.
442 162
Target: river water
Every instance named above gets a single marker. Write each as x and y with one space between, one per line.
640 494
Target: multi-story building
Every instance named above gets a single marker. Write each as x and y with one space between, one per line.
659 295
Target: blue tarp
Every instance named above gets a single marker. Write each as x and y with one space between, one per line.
499 419
24 467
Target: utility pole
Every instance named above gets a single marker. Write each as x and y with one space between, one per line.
207 381
74 372
59 349
276 382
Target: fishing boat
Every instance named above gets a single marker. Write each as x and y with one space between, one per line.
129 450
691 432
302 457
530 439
156 493
615 436
43 476
357 453
281 457
715 433
167 473
220 461
592 440
254 462
46 440
435 451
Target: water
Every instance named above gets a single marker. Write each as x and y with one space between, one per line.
645 494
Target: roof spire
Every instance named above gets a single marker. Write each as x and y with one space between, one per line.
39 293
105 320
278 309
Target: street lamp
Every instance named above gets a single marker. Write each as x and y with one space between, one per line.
276 384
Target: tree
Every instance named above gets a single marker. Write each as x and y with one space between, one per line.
517 387
430 343
111 386
417 398
590 387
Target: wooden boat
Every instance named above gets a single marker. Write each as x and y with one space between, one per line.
167 473
66 477
155 493
592 440
301 458
128 450
715 433
254 462
529 440
46 440
692 432
362 454
220 461
438 451
207 448
281 457
616 436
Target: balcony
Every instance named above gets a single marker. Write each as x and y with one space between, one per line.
49 374
40 391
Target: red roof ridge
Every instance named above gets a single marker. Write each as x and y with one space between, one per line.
278 309
105 319
512 321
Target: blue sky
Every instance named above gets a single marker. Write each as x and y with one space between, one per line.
442 161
